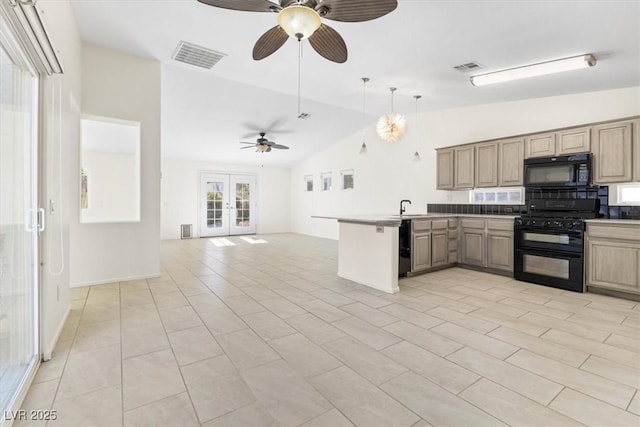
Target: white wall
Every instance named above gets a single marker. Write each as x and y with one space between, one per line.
112 187
180 192
387 174
59 178
124 87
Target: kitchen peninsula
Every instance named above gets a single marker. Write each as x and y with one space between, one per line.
375 250
368 250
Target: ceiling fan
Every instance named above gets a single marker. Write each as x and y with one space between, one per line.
300 19
263 145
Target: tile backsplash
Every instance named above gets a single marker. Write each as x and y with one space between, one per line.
477 209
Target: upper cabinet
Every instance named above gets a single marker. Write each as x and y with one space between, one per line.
573 141
464 166
561 143
542 145
612 151
445 170
486 164
510 162
615 149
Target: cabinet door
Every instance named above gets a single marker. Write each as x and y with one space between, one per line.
635 129
572 141
500 251
613 265
445 171
612 153
473 247
421 252
486 165
511 162
541 145
439 248
464 167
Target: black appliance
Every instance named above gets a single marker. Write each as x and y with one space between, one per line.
559 171
549 242
404 238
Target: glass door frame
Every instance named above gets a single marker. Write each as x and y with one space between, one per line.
229 208
15 50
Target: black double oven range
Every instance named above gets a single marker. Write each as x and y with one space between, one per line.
549 238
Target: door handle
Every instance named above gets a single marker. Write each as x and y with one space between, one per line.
41 220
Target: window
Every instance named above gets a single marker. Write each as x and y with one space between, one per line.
347 179
497 196
627 194
325 180
308 183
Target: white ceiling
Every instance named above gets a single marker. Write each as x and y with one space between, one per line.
414 48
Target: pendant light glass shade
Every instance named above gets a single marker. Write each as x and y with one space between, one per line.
392 127
298 21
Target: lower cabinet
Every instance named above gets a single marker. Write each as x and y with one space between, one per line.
500 250
421 251
473 247
613 257
487 243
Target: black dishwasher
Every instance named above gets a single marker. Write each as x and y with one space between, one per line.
404 244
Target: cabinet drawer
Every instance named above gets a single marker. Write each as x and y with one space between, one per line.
453 234
613 231
453 245
453 223
420 225
473 223
499 224
439 224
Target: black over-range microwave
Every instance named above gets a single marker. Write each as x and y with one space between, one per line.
558 171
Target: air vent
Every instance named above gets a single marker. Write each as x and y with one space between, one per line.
304 116
186 231
199 56
468 67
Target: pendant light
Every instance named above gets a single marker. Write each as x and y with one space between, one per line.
363 148
416 155
392 127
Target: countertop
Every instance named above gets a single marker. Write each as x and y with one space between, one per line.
396 220
613 221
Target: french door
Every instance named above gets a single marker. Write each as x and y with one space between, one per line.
19 333
227 204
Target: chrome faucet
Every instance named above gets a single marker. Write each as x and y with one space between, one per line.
402 209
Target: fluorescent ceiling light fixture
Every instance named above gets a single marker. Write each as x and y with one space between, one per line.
541 69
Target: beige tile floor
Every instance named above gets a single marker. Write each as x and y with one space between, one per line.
268 335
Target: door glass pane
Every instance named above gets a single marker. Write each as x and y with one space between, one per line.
215 193
18 298
552 267
243 195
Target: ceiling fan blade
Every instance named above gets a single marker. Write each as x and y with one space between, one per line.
329 44
245 5
355 10
269 42
248 146
251 143
268 150
279 147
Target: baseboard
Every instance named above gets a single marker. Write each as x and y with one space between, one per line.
114 280
47 353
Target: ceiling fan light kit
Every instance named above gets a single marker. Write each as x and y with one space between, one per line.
534 70
392 127
299 21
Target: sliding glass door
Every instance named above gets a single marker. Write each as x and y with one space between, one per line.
19 352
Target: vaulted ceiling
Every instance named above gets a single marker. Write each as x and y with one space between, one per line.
206 112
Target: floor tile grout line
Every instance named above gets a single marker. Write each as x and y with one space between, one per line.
636 394
122 352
